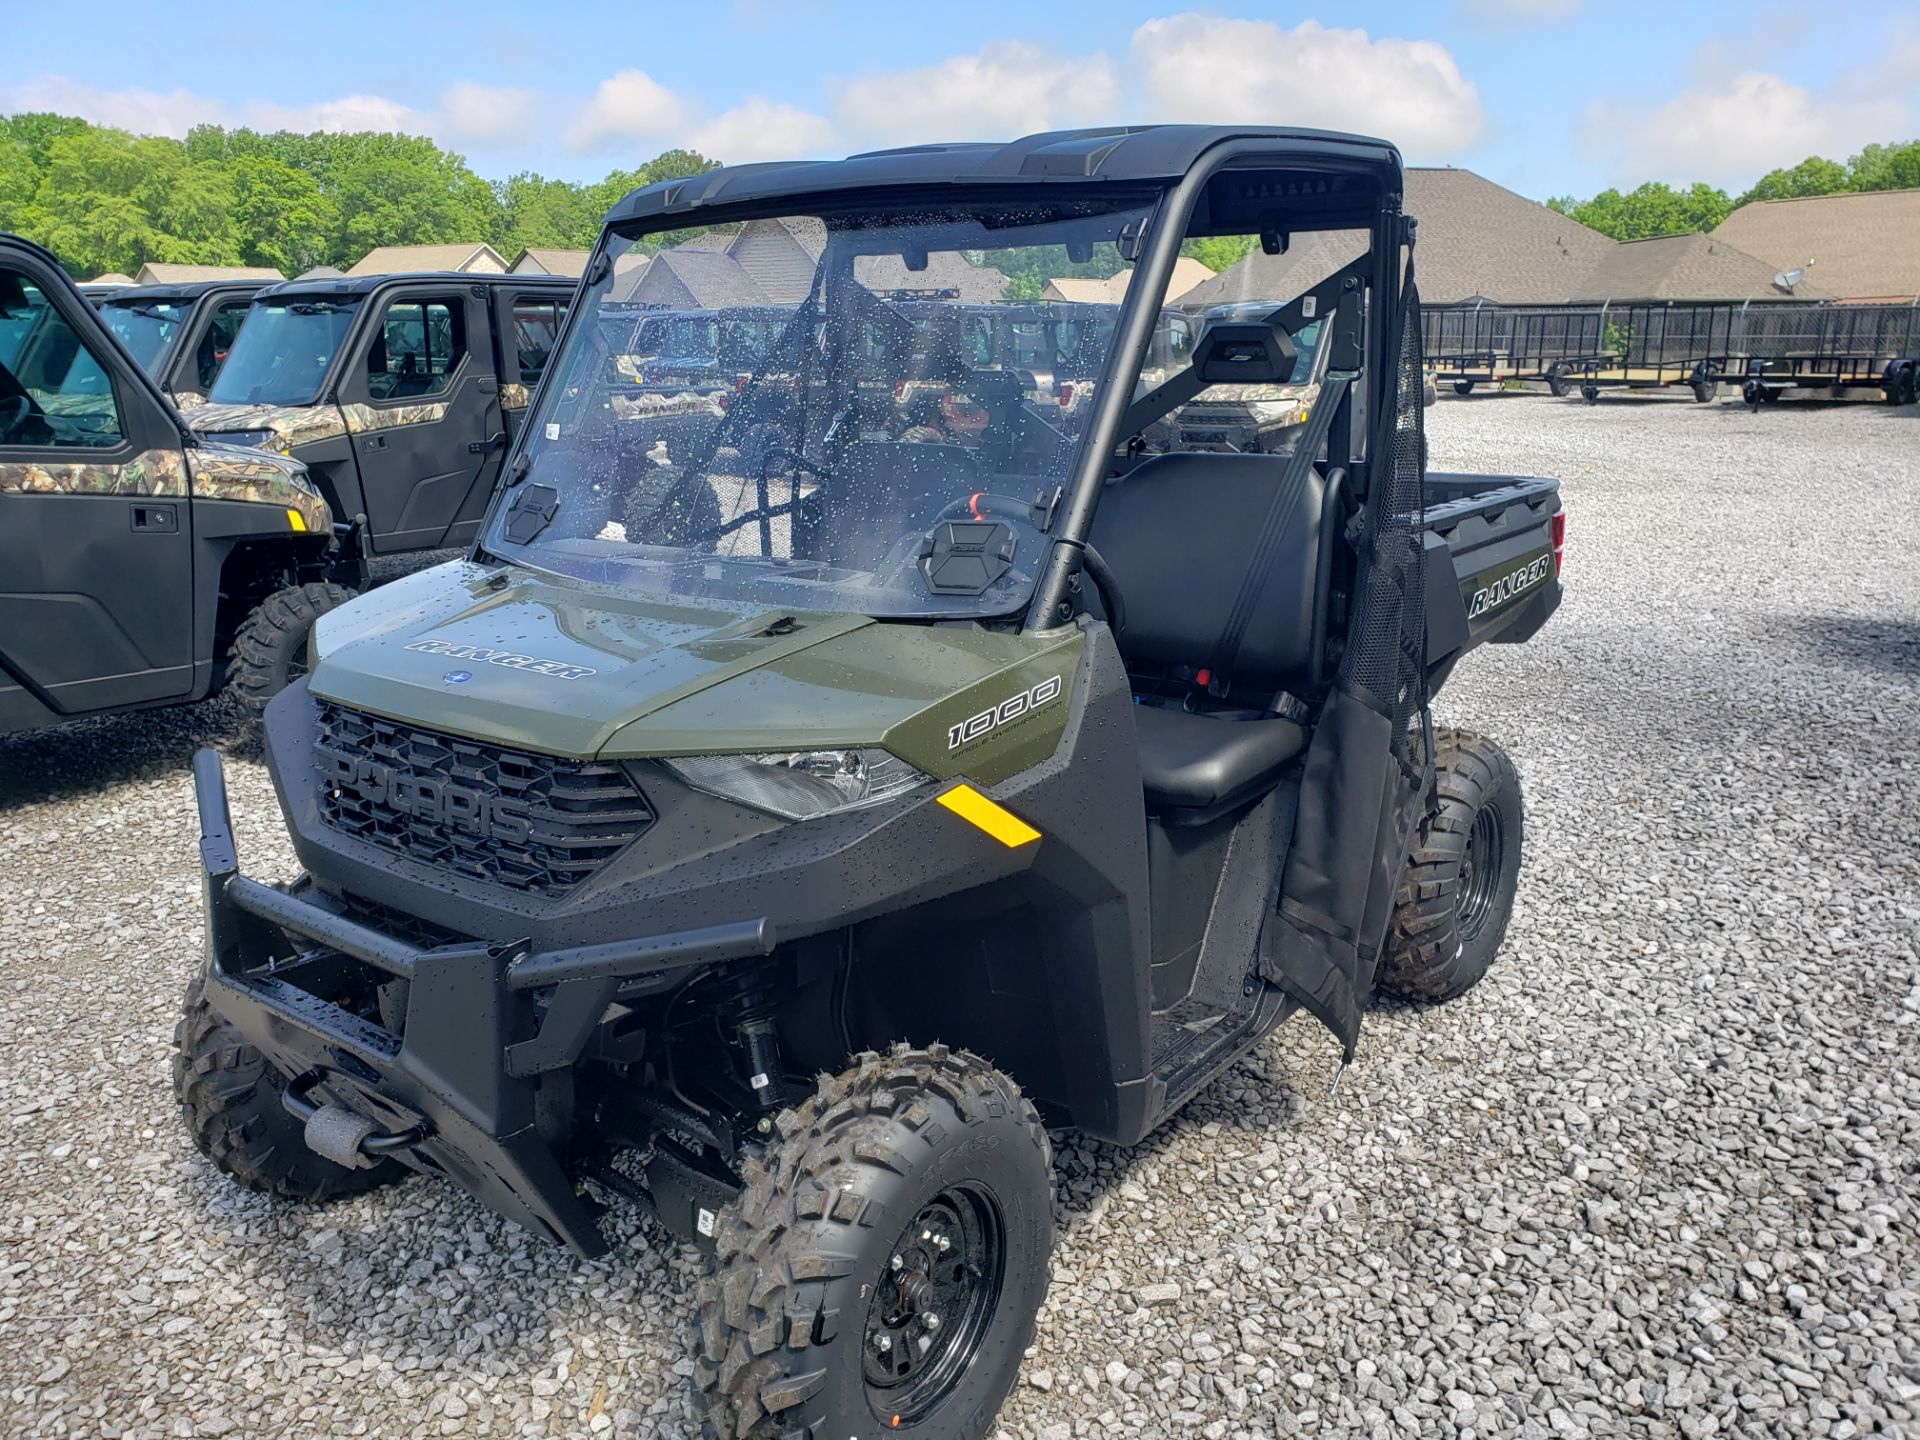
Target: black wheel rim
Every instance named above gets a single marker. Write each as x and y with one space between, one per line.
297 662
1480 869
934 1303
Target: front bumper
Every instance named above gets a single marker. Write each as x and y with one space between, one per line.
457 1091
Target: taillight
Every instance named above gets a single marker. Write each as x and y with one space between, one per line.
1066 392
1557 528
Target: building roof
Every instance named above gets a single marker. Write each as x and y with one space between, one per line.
695 279
771 262
1685 267
1476 240
400 259
1863 246
539 260
158 272
1187 273
112 277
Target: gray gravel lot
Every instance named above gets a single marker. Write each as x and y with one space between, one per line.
1660 1175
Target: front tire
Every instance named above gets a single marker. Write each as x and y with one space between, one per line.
809 1327
1456 894
274 645
230 1104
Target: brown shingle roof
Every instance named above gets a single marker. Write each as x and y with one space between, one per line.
540 260
405 259
1685 267
156 272
1476 239
1859 247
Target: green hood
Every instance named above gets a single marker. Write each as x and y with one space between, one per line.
568 668
548 665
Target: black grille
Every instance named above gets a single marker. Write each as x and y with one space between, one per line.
529 822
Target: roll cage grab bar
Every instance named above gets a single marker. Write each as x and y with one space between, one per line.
1106 429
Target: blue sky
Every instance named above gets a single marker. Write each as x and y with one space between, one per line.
1546 96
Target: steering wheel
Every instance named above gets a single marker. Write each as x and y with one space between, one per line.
15 410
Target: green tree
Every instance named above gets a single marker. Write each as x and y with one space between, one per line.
1812 176
85 208
1655 208
1218 252
403 190
1886 167
536 211
37 130
282 217
19 178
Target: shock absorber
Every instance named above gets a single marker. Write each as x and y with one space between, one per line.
746 1006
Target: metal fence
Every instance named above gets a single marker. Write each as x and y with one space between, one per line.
1666 343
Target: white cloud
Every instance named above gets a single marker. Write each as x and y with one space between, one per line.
629 106
759 129
1005 89
174 112
1205 68
473 114
1728 129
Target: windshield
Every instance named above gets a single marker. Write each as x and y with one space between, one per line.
283 352
865 413
147 327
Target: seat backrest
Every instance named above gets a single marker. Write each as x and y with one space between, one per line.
1179 531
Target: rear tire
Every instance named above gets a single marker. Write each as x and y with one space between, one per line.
273 646
1556 383
1705 390
802 1291
230 1103
1456 895
1463 387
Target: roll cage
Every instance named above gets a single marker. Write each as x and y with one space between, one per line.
1199 180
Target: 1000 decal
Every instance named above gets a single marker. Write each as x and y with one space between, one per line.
1005 713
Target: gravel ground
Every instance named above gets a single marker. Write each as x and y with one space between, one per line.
1657 1176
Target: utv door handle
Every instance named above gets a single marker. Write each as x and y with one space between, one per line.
156 519
375 442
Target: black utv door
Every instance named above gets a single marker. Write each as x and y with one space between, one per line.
421 401
96 567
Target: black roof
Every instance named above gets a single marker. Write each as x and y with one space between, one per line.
188 290
1143 155
367 284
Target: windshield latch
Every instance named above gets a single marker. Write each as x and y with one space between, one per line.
531 512
1044 507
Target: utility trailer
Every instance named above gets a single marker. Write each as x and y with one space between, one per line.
1482 343
1655 345
1831 352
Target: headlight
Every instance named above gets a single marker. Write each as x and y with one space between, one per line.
800 786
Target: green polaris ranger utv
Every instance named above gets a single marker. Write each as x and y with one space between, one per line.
780 824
